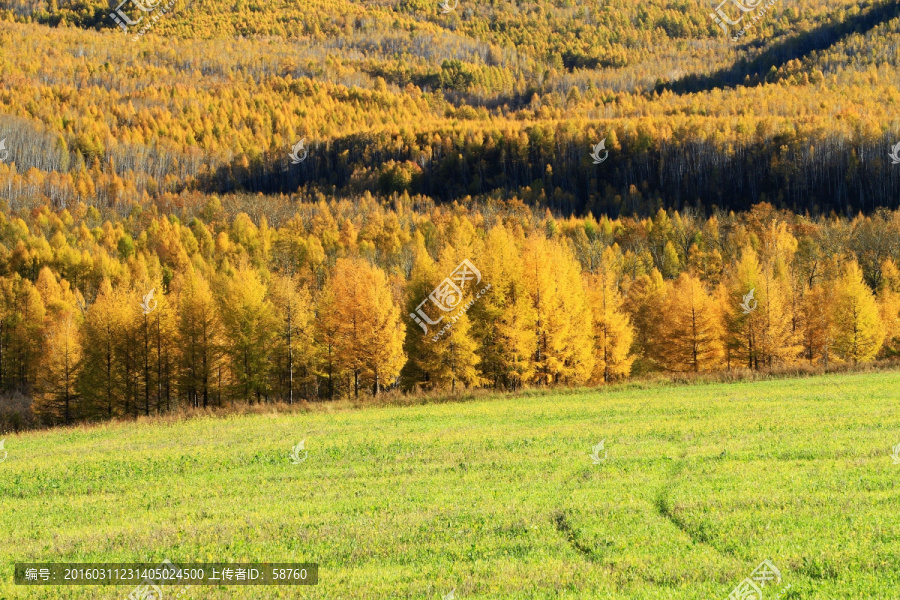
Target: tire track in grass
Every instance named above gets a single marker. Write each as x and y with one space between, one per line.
561 517
699 533
561 522
661 503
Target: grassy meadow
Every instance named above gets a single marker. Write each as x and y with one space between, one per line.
495 498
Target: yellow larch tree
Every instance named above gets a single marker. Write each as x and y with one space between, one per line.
758 314
778 343
563 329
102 326
739 302
294 349
165 351
250 328
613 331
817 330
363 324
504 317
200 340
445 351
858 328
889 303
56 394
693 331
423 278
151 333
645 305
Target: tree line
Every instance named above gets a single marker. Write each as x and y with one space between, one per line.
105 316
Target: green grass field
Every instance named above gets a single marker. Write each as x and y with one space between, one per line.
495 498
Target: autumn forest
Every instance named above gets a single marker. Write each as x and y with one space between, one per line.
258 202
322 306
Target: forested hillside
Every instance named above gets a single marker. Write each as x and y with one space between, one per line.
489 99
247 201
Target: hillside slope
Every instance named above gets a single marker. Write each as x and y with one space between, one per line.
488 98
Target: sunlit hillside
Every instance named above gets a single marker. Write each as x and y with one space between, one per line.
274 182
496 98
